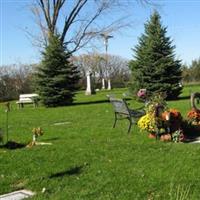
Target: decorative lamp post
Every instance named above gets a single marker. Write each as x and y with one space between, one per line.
106 37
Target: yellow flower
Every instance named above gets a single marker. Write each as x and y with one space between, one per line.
147 122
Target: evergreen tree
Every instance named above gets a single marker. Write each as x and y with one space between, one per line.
155 67
56 77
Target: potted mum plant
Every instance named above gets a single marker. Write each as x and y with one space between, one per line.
152 121
194 117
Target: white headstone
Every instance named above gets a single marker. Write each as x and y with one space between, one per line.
89 88
103 84
109 84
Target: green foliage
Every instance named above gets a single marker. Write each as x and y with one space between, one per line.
15 80
56 77
155 101
154 66
1 135
191 73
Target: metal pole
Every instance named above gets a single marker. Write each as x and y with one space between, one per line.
7 124
106 37
7 105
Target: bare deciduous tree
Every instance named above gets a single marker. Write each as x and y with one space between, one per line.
116 69
15 80
80 21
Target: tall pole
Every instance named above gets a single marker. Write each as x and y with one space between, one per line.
7 105
106 37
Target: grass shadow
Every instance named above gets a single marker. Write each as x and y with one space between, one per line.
180 98
70 172
192 134
51 139
96 102
183 97
13 145
90 102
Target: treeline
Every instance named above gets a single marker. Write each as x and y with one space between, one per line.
191 73
103 66
15 80
19 79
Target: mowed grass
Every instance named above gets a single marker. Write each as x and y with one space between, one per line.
88 159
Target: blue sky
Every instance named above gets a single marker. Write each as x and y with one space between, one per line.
182 17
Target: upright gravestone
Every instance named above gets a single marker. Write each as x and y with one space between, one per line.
109 84
90 84
103 84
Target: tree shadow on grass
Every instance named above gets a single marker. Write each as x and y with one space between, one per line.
73 171
13 145
184 97
192 134
180 98
90 102
50 139
95 102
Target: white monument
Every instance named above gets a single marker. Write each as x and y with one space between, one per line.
109 84
90 84
103 84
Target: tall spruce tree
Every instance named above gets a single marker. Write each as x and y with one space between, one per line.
155 67
56 77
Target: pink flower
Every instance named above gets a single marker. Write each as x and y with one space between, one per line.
142 93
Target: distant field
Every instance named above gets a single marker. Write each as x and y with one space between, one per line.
88 159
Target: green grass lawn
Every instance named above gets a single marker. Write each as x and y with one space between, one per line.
88 159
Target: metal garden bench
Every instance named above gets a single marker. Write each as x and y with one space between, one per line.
122 111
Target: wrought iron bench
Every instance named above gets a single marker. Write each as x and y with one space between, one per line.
122 111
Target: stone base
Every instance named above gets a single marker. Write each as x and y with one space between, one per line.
17 195
88 93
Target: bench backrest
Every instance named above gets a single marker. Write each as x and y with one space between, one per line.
27 97
120 106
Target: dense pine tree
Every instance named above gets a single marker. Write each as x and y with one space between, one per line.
155 67
56 77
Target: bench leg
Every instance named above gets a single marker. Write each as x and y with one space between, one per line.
115 120
20 105
130 125
35 104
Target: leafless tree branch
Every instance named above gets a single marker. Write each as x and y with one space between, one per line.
83 19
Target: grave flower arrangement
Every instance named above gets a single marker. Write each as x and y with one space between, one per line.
194 117
164 123
152 120
36 133
147 123
173 118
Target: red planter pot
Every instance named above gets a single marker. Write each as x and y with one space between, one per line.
152 135
166 137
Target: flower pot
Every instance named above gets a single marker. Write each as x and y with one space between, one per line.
166 137
152 135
